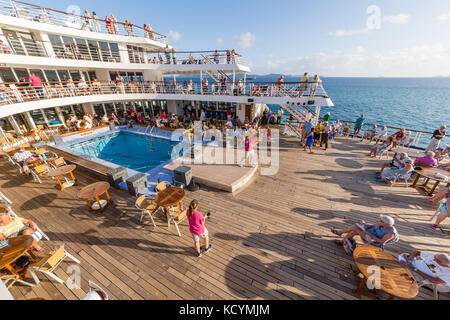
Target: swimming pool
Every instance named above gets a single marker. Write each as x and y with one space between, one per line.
129 150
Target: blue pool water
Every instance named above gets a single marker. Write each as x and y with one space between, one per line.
129 150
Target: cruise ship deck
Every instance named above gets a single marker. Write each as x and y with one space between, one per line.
271 240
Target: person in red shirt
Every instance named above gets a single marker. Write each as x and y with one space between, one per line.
229 114
197 227
164 115
399 136
36 84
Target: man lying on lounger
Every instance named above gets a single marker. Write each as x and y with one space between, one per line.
434 268
23 158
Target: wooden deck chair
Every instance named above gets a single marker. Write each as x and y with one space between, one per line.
58 162
402 177
38 172
4 198
436 288
177 215
383 246
12 280
50 263
147 206
162 186
39 234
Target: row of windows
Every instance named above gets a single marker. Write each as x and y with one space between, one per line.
10 75
76 48
23 43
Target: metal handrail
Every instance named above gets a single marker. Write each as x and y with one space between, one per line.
74 51
12 93
24 10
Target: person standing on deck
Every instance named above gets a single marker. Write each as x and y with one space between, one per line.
318 134
87 20
327 117
325 135
197 228
280 115
359 124
114 24
109 25
438 135
98 27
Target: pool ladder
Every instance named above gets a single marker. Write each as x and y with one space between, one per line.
147 137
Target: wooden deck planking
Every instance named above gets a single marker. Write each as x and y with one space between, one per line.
271 240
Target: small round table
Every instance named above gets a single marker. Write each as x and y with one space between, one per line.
429 174
16 248
62 171
393 278
95 191
170 197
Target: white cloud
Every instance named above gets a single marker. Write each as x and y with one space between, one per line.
174 36
359 49
348 33
245 40
219 42
443 17
424 60
401 18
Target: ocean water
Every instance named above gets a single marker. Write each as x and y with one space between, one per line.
413 103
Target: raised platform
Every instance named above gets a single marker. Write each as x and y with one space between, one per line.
224 177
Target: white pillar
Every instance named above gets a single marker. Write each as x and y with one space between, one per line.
47 45
201 81
60 116
317 117
30 120
14 124
245 81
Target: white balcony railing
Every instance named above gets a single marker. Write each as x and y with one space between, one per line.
13 93
24 10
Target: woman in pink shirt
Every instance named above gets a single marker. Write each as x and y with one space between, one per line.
197 227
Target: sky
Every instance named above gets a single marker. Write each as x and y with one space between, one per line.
348 38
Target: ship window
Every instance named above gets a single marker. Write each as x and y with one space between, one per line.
115 51
75 75
57 45
83 49
79 111
92 75
106 53
109 108
52 116
51 76
98 109
38 118
4 123
33 47
14 42
93 49
7 76
64 75
21 73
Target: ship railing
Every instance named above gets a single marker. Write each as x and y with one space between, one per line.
71 51
420 138
12 93
24 10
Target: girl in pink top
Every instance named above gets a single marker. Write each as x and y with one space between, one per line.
197 227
